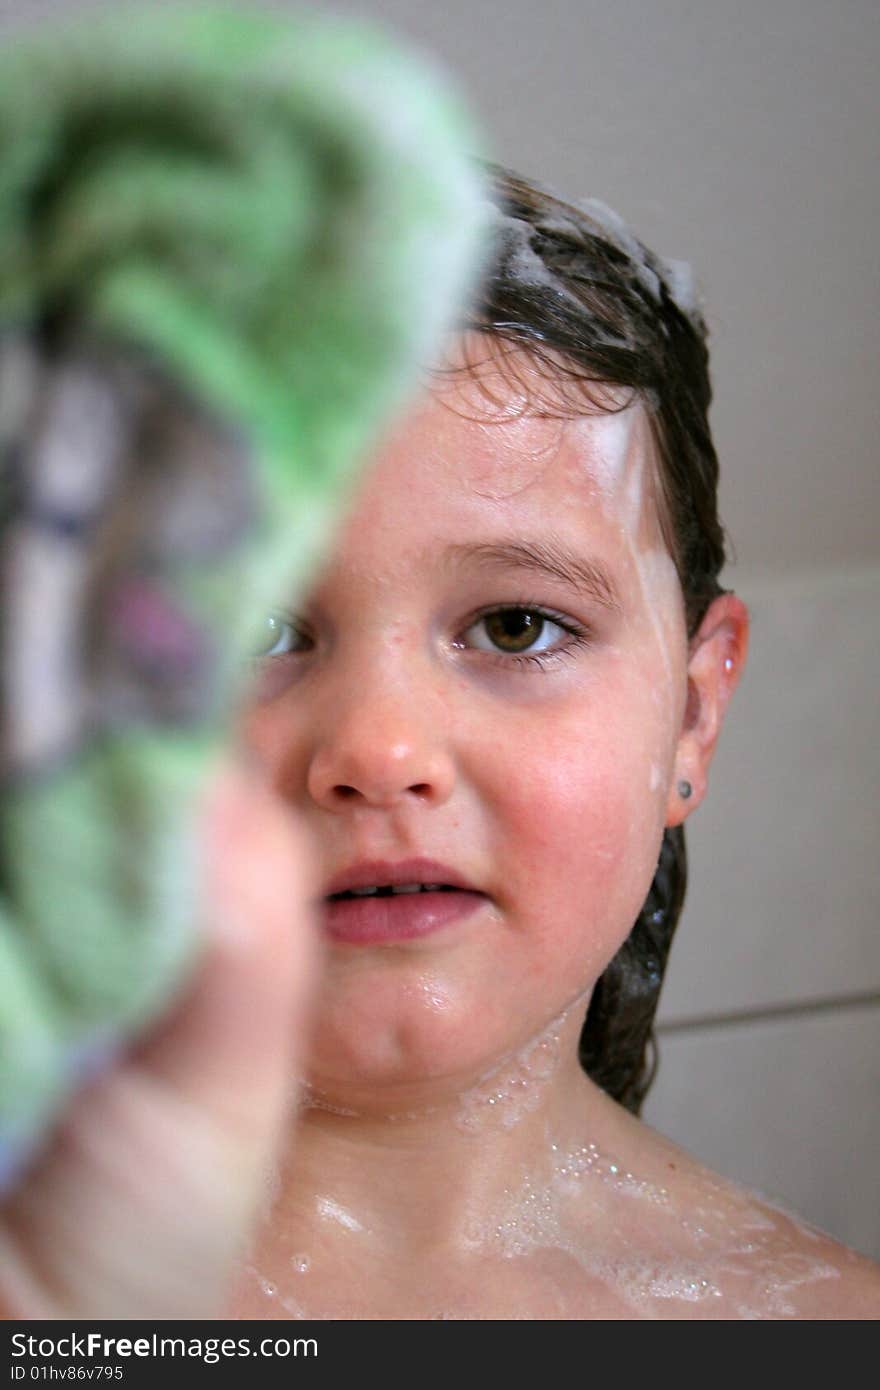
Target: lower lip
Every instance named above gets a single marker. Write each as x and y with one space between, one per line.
401 917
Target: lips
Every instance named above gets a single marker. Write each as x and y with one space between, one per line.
379 918
383 873
376 921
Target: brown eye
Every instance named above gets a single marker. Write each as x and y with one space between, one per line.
514 629
525 634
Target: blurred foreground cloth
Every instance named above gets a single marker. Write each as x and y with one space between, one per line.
229 240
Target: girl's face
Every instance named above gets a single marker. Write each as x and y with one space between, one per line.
404 714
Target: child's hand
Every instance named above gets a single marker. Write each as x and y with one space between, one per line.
149 1190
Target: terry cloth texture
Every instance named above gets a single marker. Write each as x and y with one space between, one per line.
229 240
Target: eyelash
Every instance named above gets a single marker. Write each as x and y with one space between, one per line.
580 636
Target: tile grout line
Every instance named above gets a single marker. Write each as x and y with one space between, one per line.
768 1013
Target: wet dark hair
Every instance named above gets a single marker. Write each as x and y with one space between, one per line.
595 311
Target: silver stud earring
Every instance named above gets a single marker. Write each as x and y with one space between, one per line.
684 789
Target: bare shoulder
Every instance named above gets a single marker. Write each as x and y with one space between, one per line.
856 1295
823 1278
719 1250
765 1260
802 1272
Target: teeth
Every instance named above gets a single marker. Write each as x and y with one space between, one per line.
395 889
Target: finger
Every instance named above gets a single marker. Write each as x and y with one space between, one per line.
234 1041
159 1170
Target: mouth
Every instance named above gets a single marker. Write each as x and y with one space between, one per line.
389 890
401 912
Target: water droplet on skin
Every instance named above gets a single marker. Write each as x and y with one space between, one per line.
300 1263
332 1211
514 1089
310 1099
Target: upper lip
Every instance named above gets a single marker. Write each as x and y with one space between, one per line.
379 872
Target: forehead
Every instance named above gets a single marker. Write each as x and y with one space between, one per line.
497 443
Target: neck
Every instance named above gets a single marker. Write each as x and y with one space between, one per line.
434 1169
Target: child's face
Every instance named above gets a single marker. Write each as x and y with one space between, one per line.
401 724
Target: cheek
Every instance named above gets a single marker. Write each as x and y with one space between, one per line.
579 828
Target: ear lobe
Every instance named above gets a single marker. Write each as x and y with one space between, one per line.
717 655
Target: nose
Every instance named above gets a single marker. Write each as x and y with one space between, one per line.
381 744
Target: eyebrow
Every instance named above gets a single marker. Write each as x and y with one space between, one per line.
588 577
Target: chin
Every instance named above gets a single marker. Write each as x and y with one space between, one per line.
390 1057
410 1056
366 1057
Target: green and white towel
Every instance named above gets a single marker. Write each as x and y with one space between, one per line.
228 241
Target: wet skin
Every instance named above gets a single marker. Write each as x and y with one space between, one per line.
400 714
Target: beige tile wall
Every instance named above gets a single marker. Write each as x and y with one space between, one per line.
770 1040
788 1106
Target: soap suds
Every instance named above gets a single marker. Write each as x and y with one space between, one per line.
724 1254
516 1087
514 243
313 1099
618 454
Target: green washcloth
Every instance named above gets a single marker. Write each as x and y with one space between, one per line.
228 242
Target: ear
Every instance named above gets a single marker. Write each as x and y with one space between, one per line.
716 657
